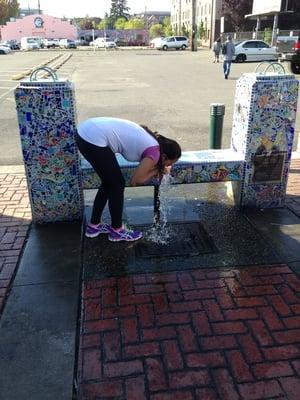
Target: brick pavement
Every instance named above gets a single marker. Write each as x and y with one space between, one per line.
15 218
207 334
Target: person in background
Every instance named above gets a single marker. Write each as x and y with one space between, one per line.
228 51
98 140
217 49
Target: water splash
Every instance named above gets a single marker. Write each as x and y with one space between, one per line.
160 232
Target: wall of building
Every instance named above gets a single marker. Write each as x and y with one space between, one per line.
43 26
208 12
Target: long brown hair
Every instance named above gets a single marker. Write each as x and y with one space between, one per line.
168 147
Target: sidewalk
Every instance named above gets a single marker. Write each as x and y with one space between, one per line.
15 220
217 333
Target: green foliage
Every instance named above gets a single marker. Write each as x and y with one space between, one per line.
120 23
268 35
184 31
201 31
168 30
118 9
103 24
135 23
156 30
8 9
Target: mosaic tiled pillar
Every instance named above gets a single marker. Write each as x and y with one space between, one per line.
47 122
263 132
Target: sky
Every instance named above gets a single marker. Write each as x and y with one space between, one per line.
93 8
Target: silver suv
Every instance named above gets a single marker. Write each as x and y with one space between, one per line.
172 42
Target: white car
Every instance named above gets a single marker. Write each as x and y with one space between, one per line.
4 49
254 50
48 43
172 42
104 43
153 43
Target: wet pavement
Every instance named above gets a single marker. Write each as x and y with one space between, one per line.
233 240
222 322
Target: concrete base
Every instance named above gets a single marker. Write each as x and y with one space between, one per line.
38 326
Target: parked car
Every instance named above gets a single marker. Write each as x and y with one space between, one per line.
153 42
81 42
50 43
254 50
12 44
288 48
104 43
4 49
30 43
172 42
67 44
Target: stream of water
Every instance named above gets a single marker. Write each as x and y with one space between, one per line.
161 232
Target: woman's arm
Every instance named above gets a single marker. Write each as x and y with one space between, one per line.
144 171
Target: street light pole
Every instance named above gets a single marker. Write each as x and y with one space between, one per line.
194 27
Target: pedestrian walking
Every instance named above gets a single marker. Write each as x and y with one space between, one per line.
217 49
228 51
98 140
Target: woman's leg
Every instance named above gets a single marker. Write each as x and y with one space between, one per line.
105 164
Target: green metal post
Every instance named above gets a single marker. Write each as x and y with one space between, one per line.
217 111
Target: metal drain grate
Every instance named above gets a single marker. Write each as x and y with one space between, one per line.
189 239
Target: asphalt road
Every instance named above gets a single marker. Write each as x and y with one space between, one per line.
170 92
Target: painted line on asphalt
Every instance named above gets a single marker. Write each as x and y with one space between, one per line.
6 93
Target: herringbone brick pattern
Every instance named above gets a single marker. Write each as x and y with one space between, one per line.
206 334
15 217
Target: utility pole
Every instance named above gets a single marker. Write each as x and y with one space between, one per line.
179 21
39 6
194 27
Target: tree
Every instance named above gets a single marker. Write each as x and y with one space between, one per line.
184 31
8 9
156 30
168 30
118 9
234 12
120 23
201 31
135 23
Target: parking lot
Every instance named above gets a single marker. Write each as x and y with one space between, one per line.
168 91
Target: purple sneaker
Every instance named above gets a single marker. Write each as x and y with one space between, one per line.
124 234
92 231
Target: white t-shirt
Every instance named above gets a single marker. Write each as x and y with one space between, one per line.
122 136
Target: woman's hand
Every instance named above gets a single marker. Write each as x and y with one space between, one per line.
167 170
144 172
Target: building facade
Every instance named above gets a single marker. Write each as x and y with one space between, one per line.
39 25
207 16
153 17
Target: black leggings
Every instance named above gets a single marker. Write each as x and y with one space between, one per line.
104 162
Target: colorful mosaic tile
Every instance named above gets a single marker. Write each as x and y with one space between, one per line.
263 131
47 123
193 167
